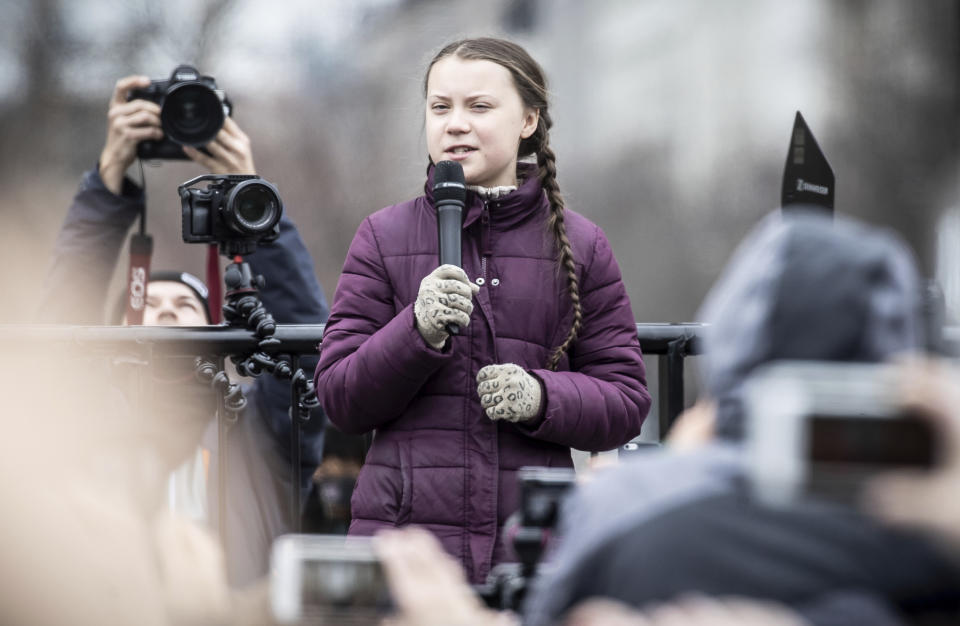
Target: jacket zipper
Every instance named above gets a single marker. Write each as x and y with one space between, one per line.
485 239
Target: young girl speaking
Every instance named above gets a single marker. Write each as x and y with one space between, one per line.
547 357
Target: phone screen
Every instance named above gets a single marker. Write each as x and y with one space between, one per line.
891 442
844 452
327 579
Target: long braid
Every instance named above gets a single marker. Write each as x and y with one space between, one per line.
547 161
531 84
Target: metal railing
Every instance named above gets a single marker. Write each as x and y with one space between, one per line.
672 343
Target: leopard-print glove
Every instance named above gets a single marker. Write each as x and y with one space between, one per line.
508 392
446 296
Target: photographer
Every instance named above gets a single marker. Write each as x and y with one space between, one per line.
85 256
801 287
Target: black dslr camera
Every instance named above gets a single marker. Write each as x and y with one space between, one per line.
235 211
192 112
542 493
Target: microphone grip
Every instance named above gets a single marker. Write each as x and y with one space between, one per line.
449 226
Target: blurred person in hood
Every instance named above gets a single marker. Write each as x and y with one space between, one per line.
801 286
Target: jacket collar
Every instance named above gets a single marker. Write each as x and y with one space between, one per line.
508 211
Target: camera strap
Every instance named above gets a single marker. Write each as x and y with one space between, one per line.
141 248
138 273
214 281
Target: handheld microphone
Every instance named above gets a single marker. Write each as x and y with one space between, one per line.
449 196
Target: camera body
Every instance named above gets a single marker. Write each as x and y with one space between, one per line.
192 112
542 490
234 211
822 429
328 579
542 493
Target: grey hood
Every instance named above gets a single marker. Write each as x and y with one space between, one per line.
806 286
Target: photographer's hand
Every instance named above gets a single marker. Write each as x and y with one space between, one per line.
688 610
230 152
128 123
926 500
427 585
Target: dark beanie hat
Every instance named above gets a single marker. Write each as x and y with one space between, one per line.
196 285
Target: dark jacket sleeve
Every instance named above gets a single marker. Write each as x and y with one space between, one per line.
602 402
292 294
374 361
87 250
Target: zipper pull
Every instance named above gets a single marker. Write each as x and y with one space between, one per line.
485 230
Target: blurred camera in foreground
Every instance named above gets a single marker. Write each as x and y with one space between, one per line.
192 112
822 429
234 211
528 531
333 579
327 579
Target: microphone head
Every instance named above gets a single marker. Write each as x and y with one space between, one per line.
807 176
448 182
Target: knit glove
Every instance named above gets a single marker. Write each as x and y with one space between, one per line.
446 296
508 392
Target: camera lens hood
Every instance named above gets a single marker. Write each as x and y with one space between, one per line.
253 207
191 114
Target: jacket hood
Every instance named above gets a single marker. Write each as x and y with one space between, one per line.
806 286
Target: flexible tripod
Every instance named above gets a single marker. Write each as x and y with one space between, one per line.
242 308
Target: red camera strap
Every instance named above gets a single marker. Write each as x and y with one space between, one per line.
138 275
215 297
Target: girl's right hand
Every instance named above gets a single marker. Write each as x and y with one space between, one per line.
445 297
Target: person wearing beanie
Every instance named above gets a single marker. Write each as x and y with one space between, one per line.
681 521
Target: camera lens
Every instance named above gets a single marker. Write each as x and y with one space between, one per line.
253 207
192 114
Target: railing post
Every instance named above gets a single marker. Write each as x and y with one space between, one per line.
223 426
670 384
295 452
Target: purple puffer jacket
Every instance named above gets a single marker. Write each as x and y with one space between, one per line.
436 459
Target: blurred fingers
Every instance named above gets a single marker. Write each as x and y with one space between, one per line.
233 130
122 89
134 106
227 156
207 161
142 134
602 612
138 119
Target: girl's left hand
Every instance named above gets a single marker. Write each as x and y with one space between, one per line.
508 392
